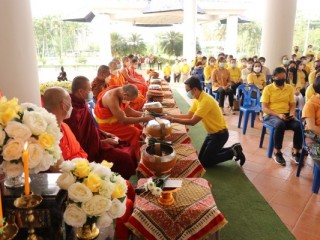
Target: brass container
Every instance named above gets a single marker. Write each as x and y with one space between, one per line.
87 232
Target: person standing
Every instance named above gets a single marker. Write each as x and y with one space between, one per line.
167 72
176 71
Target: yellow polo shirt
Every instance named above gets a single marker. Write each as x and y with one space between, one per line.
235 74
208 109
167 71
207 73
312 77
260 81
310 92
185 69
279 99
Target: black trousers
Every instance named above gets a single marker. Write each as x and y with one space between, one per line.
222 94
212 151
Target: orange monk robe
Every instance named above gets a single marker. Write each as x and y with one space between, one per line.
116 80
69 145
108 123
138 103
141 86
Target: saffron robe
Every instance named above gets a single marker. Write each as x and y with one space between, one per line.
115 80
107 122
89 137
126 73
97 86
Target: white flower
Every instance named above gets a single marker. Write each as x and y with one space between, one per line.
156 192
117 208
104 221
13 149
2 136
151 186
74 216
106 188
35 121
25 106
65 180
12 169
67 166
36 153
78 192
96 206
45 163
18 130
102 171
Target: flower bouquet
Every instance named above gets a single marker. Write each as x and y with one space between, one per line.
27 123
95 193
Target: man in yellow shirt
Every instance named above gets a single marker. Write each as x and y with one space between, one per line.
309 51
207 74
312 75
279 109
235 75
176 71
296 52
310 92
185 70
167 72
206 109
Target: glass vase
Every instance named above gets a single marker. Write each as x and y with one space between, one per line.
88 231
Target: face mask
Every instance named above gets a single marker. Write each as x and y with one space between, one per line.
107 79
90 96
304 61
300 67
292 69
262 63
249 66
199 55
189 94
69 112
119 66
211 63
285 62
279 82
257 69
221 64
232 65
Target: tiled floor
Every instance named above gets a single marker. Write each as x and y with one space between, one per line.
288 195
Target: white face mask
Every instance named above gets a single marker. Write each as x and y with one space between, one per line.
69 112
304 61
211 63
262 63
249 66
107 79
257 69
233 65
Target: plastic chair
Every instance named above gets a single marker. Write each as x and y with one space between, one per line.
271 143
248 106
215 95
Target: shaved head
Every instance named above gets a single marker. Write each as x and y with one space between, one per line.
113 66
53 97
79 82
103 69
131 90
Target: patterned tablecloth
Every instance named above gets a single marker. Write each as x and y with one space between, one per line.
194 214
187 164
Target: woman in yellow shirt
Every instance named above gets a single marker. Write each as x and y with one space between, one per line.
256 77
207 74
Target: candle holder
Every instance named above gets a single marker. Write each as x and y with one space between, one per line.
28 203
166 197
10 230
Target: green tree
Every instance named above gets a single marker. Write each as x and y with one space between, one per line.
249 39
119 46
171 43
136 44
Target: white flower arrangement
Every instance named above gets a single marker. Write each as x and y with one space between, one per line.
95 193
27 123
64 84
151 186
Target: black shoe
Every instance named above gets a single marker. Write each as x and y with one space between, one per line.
237 149
295 157
278 158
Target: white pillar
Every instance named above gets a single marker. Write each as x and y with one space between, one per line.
231 35
189 29
18 61
102 22
277 30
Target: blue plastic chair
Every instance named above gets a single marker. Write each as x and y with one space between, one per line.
248 106
215 95
271 143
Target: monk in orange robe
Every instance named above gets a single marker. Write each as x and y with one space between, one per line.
116 79
100 82
97 144
58 102
114 115
142 86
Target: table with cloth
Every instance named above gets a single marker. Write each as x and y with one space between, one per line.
187 164
193 215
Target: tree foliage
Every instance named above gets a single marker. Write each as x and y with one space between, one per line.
249 38
171 43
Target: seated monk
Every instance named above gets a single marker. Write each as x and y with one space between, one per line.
132 71
114 115
142 86
58 102
100 81
98 144
116 79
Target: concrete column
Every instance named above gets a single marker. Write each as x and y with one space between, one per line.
277 30
231 35
18 61
102 22
189 29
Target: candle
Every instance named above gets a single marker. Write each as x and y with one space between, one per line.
26 170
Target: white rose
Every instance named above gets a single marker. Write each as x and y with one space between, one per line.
74 216
35 121
67 166
18 130
45 163
65 180
102 171
117 208
104 221
151 186
78 192
2 136
156 191
13 149
12 169
25 106
36 154
96 206
106 188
